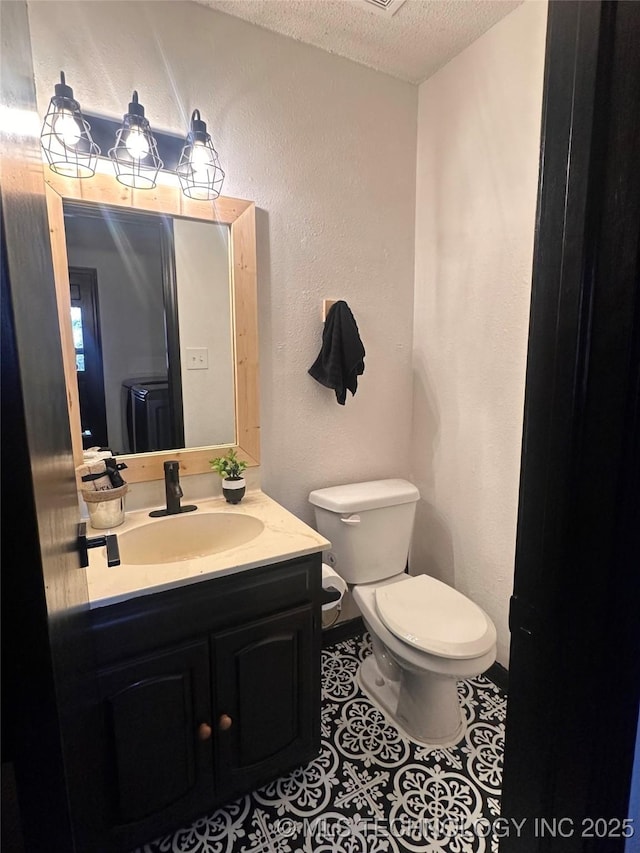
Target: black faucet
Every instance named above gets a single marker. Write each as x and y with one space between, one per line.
173 492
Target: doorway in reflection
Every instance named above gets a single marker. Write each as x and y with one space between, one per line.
85 325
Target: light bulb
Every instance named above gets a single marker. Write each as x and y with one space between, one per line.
66 128
200 162
200 156
137 144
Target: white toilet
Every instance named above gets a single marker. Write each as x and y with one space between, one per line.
425 634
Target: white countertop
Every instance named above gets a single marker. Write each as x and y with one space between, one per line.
284 537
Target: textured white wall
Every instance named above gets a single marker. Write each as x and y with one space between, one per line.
478 148
327 149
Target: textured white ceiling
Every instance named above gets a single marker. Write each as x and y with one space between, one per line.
421 37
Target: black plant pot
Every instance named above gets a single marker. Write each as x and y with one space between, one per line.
233 488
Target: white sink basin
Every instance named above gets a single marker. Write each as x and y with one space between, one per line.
186 537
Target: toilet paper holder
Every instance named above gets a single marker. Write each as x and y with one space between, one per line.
329 596
333 588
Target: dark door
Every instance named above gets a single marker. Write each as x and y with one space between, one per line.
158 762
45 644
264 699
575 650
85 322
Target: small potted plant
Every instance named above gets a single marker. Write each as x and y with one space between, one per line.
230 469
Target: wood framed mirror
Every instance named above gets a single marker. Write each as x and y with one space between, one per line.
103 192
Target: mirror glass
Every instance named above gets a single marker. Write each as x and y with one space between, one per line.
152 318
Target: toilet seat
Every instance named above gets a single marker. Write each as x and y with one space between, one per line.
435 618
364 596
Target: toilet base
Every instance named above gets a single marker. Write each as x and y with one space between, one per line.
424 706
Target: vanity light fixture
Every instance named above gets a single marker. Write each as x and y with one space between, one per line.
66 135
135 154
199 169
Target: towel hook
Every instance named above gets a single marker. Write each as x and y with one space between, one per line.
327 304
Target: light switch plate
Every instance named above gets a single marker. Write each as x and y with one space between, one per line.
197 358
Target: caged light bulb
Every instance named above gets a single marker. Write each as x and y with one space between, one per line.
198 168
66 128
200 161
137 144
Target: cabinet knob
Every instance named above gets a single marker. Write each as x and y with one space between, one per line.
225 722
204 731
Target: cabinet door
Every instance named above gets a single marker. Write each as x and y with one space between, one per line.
267 699
158 740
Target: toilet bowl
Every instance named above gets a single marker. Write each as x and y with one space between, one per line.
425 635
413 676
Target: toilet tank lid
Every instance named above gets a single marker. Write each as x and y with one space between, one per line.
357 497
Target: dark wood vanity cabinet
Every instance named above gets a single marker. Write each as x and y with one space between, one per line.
205 693
153 707
264 695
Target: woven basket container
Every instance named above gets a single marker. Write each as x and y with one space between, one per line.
106 507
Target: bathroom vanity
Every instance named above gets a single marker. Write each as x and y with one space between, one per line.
209 681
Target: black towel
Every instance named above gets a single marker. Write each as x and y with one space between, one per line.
341 359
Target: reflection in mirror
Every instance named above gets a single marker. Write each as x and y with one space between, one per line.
152 324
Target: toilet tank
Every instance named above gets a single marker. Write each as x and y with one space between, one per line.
369 526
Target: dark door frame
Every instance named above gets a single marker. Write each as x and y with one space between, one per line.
575 649
46 669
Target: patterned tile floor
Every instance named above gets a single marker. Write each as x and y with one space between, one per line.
371 790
